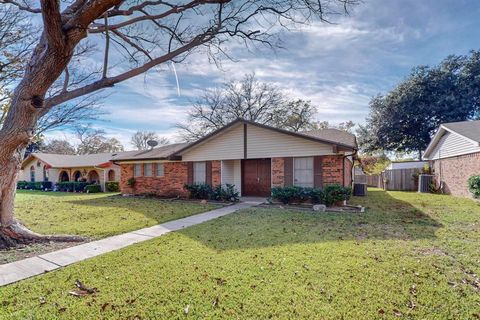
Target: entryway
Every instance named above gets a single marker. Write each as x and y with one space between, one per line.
256 177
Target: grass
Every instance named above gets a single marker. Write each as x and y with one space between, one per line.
97 215
410 256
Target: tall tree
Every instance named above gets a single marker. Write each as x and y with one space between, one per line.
150 33
140 139
94 141
346 126
58 146
249 99
405 119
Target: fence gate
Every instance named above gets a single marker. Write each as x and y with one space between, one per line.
400 179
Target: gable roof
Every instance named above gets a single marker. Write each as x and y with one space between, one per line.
470 130
163 152
331 136
71 161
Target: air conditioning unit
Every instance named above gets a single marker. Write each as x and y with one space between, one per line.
360 189
424 183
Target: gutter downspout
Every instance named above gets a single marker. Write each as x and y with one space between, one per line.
352 169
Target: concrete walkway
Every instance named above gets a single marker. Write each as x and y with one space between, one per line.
19 270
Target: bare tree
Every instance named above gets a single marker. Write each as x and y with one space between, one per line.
140 138
94 141
150 33
249 99
58 146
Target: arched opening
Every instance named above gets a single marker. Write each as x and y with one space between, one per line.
45 173
111 175
63 177
93 177
32 174
77 176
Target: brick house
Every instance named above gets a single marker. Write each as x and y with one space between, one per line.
454 155
251 156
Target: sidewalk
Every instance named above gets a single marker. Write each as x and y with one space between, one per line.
19 270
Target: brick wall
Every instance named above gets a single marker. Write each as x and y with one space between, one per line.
171 184
455 171
332 170
278 171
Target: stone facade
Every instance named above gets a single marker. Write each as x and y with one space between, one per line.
455 171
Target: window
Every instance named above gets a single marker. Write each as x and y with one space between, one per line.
147 170
160 170
199 172
32 174
303 172
137 170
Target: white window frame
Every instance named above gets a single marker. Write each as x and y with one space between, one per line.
162 171
311 183
147 170
199 177
137 167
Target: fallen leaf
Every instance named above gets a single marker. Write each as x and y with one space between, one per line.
186 309
397 313
216 301
42 300
381 311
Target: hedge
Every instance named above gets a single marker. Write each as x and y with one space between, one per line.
93 188
204 191
329 195
40 185
71 186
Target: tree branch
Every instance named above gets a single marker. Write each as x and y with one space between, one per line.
52 22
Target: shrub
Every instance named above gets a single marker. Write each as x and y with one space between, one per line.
334 193
219 193
225 193
93 188
199 191
112 186
39 185
290 194
71 186
474 186
131 182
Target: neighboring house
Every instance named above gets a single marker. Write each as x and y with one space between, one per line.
454 154
251 156
94 168
406 165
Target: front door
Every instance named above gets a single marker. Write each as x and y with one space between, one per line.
256 178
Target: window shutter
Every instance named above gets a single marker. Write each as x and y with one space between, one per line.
190 172
318 172
208 173
288 171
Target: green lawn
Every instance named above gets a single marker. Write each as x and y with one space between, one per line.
97 215
409 256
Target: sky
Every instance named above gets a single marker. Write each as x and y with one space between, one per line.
338 66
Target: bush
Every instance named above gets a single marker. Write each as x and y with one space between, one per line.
328 196
474 186
225 193
71 186
93 188
334 193
112 186
206 192
40 185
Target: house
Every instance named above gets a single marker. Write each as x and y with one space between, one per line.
252 156
394 165
94 168
454 154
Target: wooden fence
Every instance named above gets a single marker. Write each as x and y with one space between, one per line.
375 180
400 179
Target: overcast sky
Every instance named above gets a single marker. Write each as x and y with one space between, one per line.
339 67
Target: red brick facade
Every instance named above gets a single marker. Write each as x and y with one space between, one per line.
176 176
171 184
455 171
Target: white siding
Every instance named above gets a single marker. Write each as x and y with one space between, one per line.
227 145
265 143
451 144
231 173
